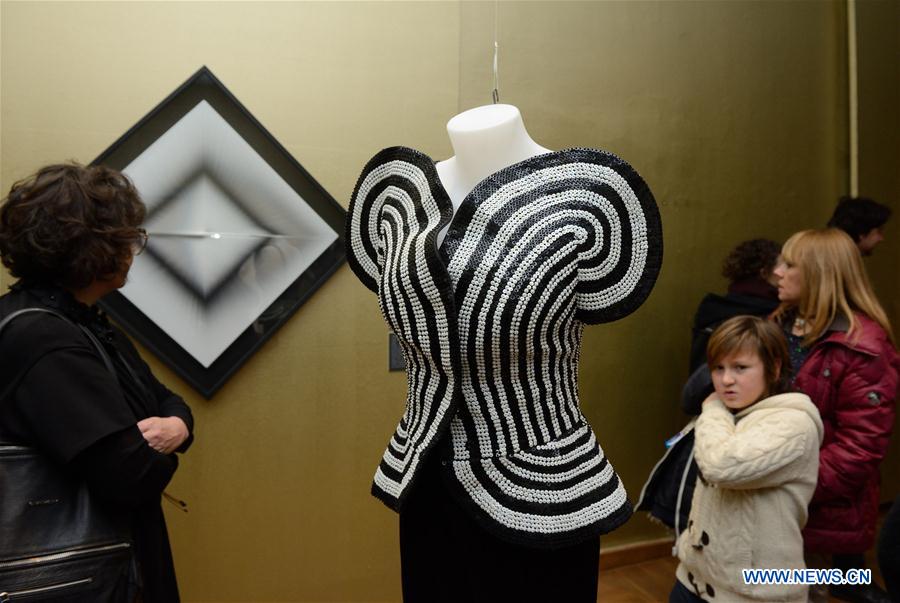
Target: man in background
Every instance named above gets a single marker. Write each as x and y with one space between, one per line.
863 219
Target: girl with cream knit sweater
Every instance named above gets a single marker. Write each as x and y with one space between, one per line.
757 448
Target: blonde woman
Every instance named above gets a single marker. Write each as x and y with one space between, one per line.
846 361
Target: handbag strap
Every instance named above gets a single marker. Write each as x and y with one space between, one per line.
91 337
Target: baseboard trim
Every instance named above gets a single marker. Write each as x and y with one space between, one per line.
628 554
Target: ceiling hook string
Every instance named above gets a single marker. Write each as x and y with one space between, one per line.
495 93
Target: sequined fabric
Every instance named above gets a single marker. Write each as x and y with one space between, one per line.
491 323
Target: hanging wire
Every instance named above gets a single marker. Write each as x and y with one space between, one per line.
495 93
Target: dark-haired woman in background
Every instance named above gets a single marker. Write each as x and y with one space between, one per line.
70 233
751 291
846 361
748 268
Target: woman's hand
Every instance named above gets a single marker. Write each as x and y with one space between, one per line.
164 434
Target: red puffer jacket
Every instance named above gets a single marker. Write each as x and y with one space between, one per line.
853 381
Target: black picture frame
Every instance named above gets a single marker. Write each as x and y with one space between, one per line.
204 86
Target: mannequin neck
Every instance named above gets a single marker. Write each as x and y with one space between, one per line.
485 140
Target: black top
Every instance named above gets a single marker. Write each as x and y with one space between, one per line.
59 397
755 298
797 350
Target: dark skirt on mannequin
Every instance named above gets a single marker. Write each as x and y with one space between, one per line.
447 557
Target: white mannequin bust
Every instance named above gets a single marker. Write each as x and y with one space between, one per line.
485 140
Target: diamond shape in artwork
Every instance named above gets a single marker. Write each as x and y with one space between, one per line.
202 236
240 234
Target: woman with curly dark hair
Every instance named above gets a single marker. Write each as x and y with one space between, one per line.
751 291
69 234
749 269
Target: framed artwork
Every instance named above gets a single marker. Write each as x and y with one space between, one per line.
240 234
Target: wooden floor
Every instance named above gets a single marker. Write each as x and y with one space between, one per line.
647 582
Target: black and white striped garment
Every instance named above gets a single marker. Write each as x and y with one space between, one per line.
491 323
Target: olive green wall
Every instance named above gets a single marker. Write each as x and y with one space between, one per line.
878 24
735 114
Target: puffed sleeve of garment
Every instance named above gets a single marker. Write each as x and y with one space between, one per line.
864 419
76 413
761 454
405 182
621 255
